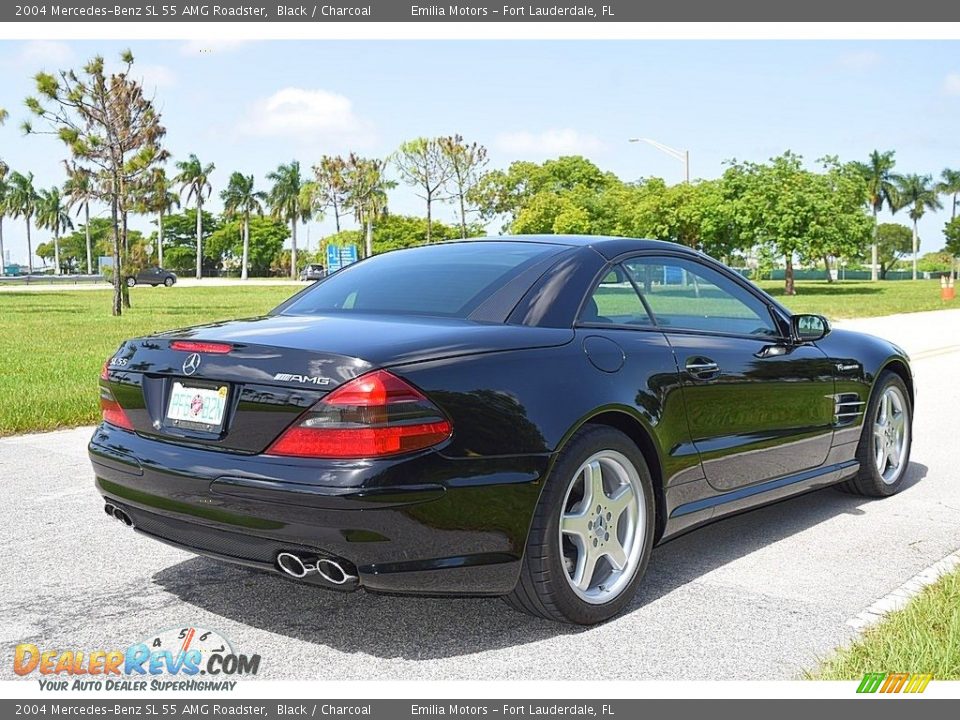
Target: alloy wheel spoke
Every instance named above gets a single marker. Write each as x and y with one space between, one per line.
621 500
586 566
593 491
893 453
616 554
575 524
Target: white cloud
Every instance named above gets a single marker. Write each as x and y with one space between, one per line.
153 77
951 84
211 45
47 54
557 141
306 115
859 61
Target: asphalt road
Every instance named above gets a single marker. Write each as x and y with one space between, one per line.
759 596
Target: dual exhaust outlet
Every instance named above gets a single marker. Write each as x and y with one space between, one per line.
300 566
118 514
291 564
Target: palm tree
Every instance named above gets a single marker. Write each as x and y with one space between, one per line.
194 178
54 214
22 202
240 200
918 193
367 193
4 192
950 185
160 199
286 204
80 191
882 191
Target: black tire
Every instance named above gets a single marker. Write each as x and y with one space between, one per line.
131 281
543 589
168 282
868 481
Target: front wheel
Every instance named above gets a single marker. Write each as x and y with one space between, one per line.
592 532
131 281
886 439
168 282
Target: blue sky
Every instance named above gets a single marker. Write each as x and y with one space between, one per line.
250 105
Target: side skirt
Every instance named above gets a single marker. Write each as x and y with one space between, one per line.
699 512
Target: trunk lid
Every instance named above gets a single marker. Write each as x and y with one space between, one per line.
277 367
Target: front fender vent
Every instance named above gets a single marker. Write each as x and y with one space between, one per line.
848 407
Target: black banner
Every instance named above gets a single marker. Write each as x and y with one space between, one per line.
393 11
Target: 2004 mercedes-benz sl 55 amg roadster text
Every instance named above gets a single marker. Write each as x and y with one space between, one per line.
516 416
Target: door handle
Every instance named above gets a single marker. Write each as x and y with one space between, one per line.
702 368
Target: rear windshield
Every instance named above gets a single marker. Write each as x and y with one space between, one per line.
449 280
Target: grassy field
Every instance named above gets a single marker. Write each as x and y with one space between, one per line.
852 299
923 637
52 344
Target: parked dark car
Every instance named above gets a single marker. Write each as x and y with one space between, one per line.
515 416
152 276
313 272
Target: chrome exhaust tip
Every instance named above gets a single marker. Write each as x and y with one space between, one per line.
299 567
122 517
108 509
333 572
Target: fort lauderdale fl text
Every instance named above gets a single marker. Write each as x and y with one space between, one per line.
583 11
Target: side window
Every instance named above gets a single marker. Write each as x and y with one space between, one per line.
686 295
615 302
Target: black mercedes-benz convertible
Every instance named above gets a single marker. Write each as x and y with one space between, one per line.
515 416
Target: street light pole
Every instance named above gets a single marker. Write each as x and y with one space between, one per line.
681 155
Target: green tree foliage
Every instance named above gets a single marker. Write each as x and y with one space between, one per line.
73 246
330 189
799 212
950 185
240 201
194 179
110 127
917 194
21 202
881 183
159 198
423 165
80 192
466 160
286 202
894 242
53 214
400 231
264 246
180 238
367 194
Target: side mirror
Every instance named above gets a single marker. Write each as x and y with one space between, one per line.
809 328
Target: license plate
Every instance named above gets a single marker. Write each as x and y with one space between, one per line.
197 408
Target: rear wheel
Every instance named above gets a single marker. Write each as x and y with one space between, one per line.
131 281
886 439
592 532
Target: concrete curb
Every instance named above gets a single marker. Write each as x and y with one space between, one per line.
899 598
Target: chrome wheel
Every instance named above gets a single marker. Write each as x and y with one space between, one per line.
891 434
602 527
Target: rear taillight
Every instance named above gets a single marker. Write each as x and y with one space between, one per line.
201 347
374 415
109 407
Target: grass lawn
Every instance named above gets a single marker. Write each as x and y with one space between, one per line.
850 299
53 344
923 637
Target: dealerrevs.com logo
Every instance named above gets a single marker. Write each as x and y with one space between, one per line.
187 658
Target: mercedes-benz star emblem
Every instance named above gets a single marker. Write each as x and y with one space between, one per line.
191 364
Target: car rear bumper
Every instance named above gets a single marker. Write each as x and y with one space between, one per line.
424 524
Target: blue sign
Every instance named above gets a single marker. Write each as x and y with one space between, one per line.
340 257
